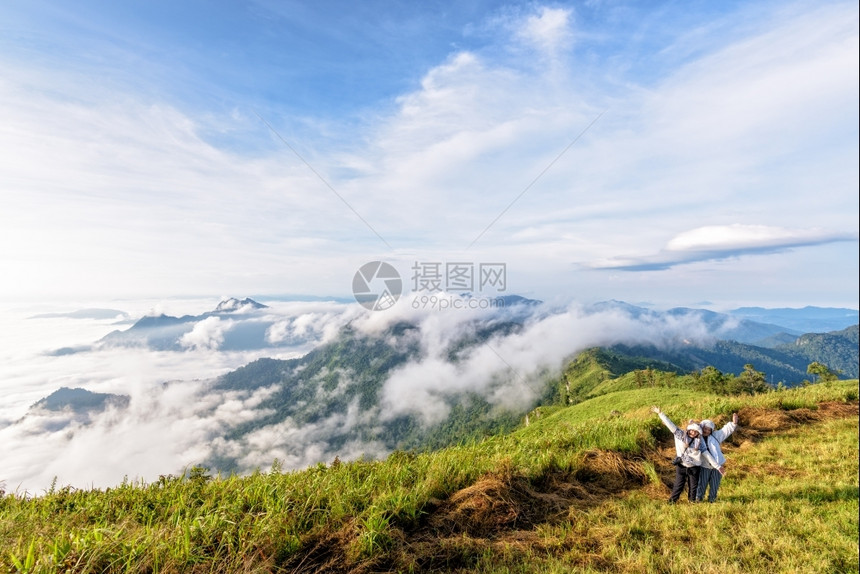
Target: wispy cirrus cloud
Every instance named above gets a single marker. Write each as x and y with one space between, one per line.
716 242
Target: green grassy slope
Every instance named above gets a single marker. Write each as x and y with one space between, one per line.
597 371
789 503
580 489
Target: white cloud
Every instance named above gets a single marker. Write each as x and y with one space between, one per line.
738 236
161 432
206 334
317 322
716 242
509 370
549 30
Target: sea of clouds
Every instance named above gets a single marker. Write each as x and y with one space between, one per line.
175 420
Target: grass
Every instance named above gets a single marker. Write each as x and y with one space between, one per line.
789 504
581 489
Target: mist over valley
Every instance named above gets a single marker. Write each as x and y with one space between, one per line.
241 384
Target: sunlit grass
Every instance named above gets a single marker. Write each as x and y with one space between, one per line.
797 516
789 503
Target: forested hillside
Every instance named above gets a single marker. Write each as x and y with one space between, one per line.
837 350
342 382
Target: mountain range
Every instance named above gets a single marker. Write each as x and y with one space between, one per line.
339 399
244 324
243 328
804 320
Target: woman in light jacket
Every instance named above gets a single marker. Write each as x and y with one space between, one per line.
712 474
690 450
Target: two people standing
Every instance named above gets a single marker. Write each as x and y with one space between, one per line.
699 463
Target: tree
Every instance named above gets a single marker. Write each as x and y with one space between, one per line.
712 379
823 371
751 381
649 376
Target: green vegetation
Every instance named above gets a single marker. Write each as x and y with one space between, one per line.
837 350
788 504
580 489
597 372
80 400
786 362
349 372
821 371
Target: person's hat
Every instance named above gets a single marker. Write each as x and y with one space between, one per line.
708 423
694 427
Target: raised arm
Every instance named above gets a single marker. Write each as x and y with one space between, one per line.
727 429
666 421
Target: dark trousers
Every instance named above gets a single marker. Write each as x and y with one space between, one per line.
688 476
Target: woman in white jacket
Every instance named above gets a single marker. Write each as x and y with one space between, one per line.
712 474
690 450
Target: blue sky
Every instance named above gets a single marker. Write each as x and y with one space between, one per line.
143 154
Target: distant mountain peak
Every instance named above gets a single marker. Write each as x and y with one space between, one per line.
233 304
80 400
